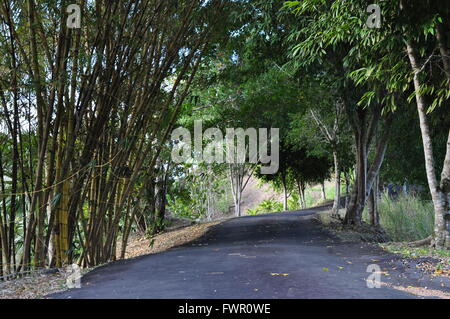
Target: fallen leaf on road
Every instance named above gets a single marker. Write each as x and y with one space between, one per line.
439 272
278 274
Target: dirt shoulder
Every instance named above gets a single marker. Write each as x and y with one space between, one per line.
139 245
35 285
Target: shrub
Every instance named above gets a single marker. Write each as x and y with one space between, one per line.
266 206
406 218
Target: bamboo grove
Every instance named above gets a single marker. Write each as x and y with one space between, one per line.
85 114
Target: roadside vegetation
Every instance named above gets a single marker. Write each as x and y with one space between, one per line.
315 195
406 218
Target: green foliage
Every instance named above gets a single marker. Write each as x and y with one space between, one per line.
298 166
198 193
415 252
373 58
404 161
294 201
185 206
157 226
406 218
266 206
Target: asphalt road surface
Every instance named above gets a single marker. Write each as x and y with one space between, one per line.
282 255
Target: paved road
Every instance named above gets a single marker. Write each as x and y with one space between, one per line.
283 255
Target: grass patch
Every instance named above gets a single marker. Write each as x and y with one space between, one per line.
265 207
406 218
416 252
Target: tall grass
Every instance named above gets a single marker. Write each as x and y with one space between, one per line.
406 218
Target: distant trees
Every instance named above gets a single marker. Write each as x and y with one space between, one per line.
324 129
298 168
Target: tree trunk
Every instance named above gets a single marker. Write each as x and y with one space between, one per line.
365 177
438 195
324 195
236 172
356 205
347 188
161 210
372 208
301 193
305 204
238 208
376 196
285 194
3 223
445 188
337 185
